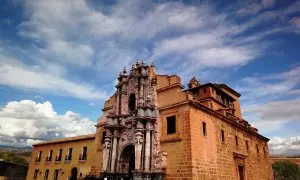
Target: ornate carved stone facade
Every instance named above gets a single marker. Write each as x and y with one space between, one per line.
133 121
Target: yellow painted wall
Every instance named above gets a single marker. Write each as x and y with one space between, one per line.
64 167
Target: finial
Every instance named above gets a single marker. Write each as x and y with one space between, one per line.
152 64
124 70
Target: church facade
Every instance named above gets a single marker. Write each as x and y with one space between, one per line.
153 128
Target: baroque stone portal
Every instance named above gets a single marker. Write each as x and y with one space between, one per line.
131 148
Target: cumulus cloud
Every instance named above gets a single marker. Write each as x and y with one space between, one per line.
26 122
284 146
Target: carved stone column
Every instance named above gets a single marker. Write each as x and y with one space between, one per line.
114 151
106 149
148 145
138 146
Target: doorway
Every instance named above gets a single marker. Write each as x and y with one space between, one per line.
74 173
241 172
127 161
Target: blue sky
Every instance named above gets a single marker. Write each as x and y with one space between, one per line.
59 60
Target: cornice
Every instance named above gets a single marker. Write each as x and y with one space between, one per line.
227 119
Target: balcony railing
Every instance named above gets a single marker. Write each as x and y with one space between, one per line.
48 159
82 157
58 158
37 159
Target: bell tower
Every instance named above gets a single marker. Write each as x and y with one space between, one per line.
131 145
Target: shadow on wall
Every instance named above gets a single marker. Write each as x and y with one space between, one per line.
12 171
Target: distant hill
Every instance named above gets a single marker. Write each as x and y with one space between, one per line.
14 148
295 159
19 155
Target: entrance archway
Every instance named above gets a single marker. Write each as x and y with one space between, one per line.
74 173
127 160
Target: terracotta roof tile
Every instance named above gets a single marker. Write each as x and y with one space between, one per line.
68 139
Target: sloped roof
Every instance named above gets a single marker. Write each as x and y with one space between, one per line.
68 139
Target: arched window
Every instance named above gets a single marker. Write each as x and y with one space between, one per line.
131 104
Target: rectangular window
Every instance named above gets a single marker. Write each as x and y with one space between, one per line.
257 150
103 137
46 174
247 145
84 153
69 156
36 171
55 177
171 125
204 128
49 158
58 157
236 141
204 90
222 135
264 151
38 159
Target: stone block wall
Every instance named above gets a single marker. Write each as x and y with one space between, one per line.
179 149
214 159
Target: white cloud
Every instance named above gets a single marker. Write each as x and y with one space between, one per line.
212 48
28 122
16 74
272 85
283 110
75 32
272 116
253 7
284 146
71 31
296 22
294 92
266 100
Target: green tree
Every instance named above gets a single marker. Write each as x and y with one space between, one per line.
12 157
286 170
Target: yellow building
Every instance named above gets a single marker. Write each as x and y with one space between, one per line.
152 128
